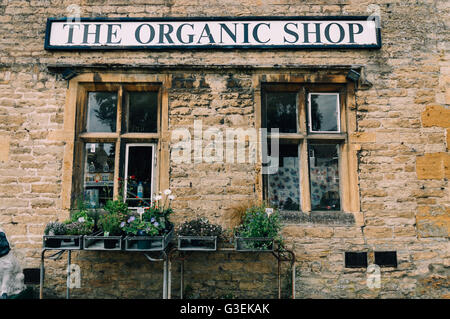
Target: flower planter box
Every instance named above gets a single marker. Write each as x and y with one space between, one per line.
148 243
260 244
97 241
197 243
63 242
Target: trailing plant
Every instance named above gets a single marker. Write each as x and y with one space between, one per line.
55 228
200 227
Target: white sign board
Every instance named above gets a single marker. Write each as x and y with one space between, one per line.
207 33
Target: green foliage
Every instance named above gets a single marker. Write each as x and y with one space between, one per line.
117 207
199 227
259 224
55 228
83 216
135 225
109 223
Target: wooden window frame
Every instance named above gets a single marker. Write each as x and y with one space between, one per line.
310 131
154 164
75 137
348 163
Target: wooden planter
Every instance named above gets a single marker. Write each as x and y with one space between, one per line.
148 243
63 242
257 244
97 241
197 243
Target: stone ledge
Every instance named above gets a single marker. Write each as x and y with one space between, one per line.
319 217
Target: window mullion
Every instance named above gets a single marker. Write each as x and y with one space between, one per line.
302 111
118 141
304 177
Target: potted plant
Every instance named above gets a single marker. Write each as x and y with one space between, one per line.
54 229
259 229
150 227
109 224
141 228
198 234
79 228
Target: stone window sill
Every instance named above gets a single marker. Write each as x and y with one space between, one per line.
337 218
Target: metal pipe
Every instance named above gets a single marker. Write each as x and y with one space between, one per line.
153 259
69 259
165 280
279 278
169 279
182 279
293 280
41 275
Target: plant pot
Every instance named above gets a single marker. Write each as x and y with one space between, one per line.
253 244
206 243
110 243
53 242
143 244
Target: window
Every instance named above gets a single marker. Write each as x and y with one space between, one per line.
117 136
311 133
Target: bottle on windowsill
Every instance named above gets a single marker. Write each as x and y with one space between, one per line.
106 167
140 190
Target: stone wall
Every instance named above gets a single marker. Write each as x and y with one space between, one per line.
403 129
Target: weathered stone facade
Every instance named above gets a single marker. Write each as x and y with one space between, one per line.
402 143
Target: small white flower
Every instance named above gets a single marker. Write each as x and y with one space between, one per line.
167 192
81 219
269 211
171 197
158 197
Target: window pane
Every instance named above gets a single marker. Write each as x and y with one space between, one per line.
284 186
324 113
139 173
280 111
99 173
142 112
102 112
324 177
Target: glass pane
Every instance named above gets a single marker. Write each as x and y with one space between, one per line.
99 173
324 113
284 186
142 112
102 112
280 111
139 175
324 177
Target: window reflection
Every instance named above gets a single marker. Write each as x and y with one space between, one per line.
324 113
102 112
280 111
324 177
141 115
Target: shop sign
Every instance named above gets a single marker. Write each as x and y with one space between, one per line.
345 32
